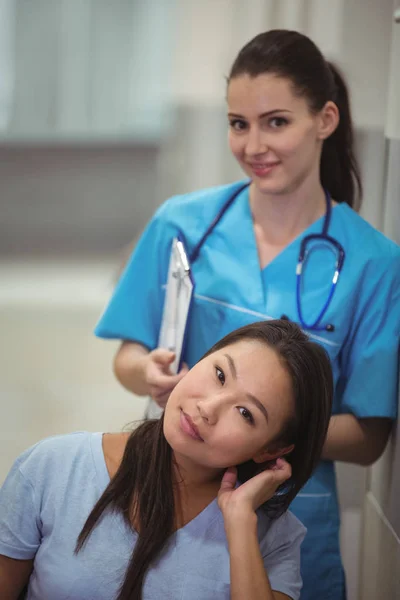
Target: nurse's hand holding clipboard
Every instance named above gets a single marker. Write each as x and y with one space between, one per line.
158 376
147 373
156 373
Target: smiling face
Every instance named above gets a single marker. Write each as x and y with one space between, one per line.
231 407
273 134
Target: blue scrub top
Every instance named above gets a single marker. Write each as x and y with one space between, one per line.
231 290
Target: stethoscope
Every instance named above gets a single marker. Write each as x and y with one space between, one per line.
304 250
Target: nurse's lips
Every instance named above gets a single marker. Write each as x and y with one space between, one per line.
261 169
189 427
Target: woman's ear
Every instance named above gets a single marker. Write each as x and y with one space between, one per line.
328 120
266 455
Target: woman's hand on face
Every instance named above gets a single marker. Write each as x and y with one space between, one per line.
247 498
158 376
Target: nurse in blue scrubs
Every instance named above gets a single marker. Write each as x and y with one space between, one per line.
288 242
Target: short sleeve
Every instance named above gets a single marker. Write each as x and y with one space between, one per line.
280 550
368 382
19 516
135 310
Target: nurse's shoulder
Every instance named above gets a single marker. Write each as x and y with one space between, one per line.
197 208
364 239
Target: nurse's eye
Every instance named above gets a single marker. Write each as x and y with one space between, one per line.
246 414
237 124
278 122
220 375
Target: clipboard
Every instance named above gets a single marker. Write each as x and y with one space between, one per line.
178 297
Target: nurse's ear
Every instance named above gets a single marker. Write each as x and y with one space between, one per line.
268 456
328 120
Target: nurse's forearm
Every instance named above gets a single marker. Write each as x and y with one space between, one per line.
359 441
247 572
129 368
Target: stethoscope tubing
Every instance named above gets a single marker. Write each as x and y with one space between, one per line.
324 235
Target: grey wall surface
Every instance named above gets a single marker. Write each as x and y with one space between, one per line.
65 200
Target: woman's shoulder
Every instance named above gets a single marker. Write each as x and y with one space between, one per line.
113 448
283 534
54 456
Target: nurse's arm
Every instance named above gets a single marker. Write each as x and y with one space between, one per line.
353 440
14 575
129 367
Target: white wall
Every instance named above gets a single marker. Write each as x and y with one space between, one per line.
55 376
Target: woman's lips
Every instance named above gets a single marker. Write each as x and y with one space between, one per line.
262 169
189 427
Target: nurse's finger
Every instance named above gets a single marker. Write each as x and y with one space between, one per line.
182 371
162 356
161 400
164 381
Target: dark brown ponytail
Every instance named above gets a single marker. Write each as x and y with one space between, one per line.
339 169
294 56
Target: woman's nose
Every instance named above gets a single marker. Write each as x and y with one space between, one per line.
209 409
255 143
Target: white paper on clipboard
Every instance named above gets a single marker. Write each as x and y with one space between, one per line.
177 303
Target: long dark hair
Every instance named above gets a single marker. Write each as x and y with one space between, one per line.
294 56
143 487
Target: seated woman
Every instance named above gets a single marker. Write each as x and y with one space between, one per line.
192 506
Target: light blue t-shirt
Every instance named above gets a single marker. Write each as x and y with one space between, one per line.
49 493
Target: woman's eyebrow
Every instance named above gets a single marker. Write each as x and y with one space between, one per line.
263 115
259 405
232 365
252 398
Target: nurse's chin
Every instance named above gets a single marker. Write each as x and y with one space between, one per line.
272 188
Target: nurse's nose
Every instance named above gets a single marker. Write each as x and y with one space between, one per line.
255 144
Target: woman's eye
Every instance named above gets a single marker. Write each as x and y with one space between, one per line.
246 414
237 124
277 122
220 375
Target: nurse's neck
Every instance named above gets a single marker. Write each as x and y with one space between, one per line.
280 218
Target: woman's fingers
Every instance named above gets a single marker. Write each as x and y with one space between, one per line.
229 479
266 483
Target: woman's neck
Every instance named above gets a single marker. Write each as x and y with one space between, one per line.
195 487
281 218
193 476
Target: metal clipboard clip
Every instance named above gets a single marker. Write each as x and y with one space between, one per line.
179 292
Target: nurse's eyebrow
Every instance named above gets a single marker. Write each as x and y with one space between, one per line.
263 115
252 398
